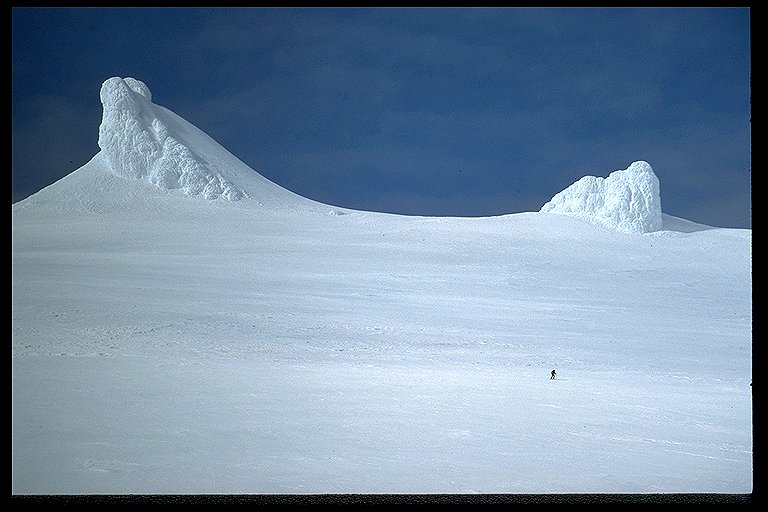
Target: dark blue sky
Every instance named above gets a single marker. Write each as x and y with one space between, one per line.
419 111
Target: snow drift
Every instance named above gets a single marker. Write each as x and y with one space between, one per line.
627 200
138 144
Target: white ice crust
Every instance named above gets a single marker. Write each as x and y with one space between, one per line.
627 200
138 145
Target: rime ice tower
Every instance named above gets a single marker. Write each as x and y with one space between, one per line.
627 200
137 144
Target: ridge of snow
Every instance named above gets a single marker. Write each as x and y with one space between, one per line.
627 200
137 144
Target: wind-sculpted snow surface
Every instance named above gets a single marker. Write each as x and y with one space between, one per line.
139 145
627 200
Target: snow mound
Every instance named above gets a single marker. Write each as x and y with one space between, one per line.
137 144
627 200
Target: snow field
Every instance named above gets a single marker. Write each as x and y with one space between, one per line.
398 355
166 340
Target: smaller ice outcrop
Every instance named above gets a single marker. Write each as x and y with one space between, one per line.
138 145
627 200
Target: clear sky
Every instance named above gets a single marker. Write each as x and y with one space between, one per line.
428 111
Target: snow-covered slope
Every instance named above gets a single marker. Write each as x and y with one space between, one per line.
165 342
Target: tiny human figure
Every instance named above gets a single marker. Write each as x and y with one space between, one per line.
554 374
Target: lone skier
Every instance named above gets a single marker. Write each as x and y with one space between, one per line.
554 374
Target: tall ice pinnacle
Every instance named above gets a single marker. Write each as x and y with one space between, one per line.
138 144
627 200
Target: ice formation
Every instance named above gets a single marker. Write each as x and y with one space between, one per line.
627 200
137 144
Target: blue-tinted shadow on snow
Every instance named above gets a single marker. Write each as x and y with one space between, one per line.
672 223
